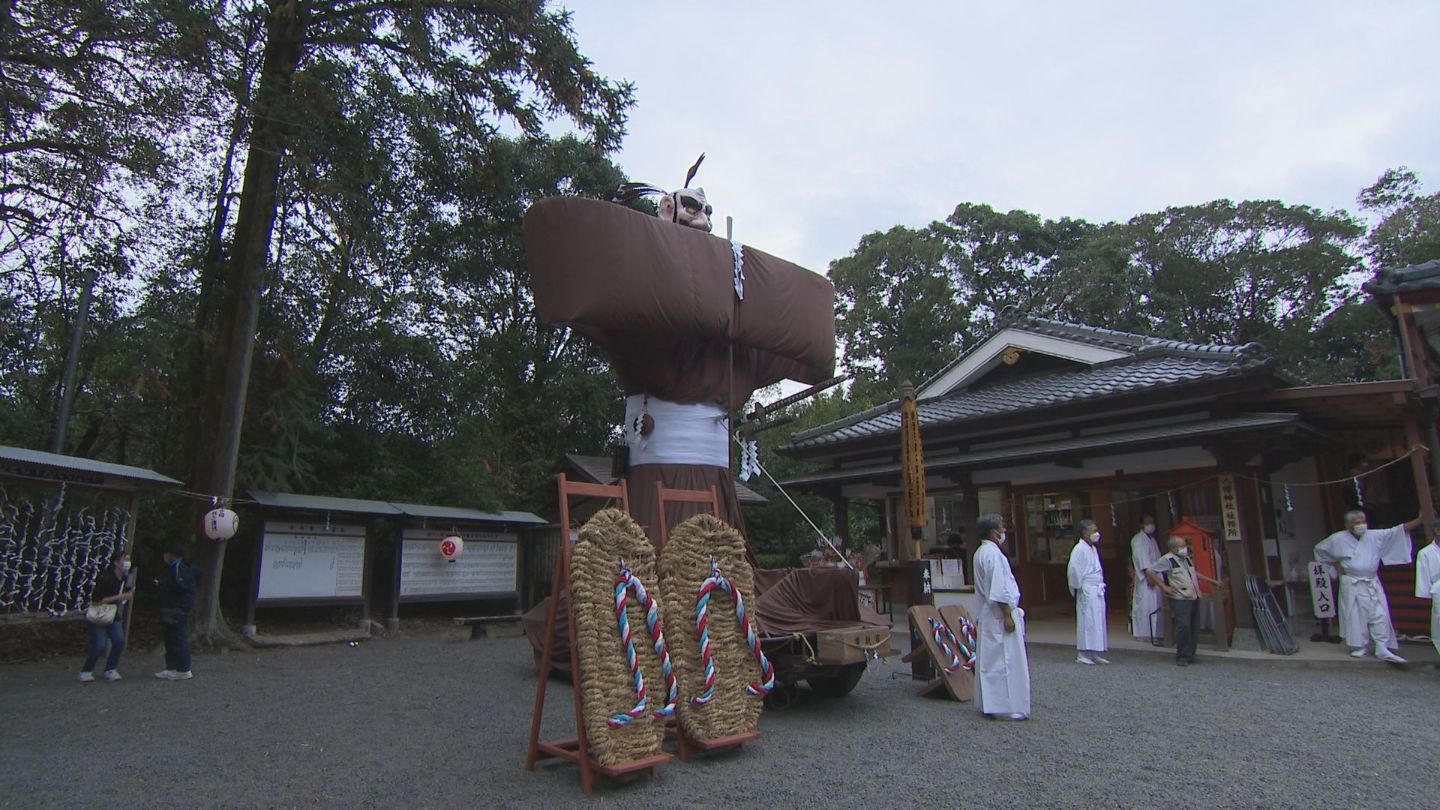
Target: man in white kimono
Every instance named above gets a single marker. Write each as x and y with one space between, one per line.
1427 580
1145 604
1087 585
1357 553
1002 682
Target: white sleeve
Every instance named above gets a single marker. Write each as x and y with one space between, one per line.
1325 552
1395 545
999 589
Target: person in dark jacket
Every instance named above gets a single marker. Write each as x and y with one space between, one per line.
177 596
109 590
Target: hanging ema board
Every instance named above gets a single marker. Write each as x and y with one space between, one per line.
302 562
486 567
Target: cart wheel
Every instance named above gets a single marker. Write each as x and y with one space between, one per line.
840 684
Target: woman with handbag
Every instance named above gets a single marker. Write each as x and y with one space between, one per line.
102 618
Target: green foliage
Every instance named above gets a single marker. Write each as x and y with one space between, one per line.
777 527
397 353
1408 231
910 300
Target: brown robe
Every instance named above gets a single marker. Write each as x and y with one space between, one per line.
659 298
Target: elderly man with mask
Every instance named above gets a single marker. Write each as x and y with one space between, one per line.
1356 554
1002 668
1175 575
1144 551
1087 585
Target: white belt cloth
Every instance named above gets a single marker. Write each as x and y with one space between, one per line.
697 433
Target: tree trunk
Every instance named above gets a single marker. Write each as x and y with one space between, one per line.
240 306
197 442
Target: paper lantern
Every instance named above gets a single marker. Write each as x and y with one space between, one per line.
451 548
221 524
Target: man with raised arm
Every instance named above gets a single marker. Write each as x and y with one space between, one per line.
1356 554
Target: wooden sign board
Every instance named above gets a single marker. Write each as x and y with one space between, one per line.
487 566
1321 598
305 561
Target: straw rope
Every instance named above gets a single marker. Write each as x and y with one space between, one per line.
718 581
607 681
959 651
696 548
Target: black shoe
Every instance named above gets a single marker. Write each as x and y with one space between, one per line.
1182 662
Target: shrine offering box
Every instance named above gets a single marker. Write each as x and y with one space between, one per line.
851 645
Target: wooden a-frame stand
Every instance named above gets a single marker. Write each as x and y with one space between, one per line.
684 743
960 684
575 749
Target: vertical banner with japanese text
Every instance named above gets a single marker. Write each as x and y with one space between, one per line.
1321 597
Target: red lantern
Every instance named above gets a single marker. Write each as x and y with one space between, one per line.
451 548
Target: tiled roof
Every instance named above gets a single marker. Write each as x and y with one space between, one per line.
1011 454
1153 363
1391 280
1110 339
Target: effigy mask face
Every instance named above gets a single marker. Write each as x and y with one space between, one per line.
688 207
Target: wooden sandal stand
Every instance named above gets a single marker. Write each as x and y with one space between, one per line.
576 749
958 684
685 745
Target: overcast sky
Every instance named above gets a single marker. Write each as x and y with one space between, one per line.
826 121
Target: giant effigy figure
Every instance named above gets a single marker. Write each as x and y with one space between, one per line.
692 324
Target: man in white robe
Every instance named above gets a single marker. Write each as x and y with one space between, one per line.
1145 604
1357 553
1087 585
1427 580
1002 682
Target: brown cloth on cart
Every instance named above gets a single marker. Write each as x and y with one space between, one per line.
803 600
534 623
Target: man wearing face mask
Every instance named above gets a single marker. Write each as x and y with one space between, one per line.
1002 669
1176 576
1357 553
1144 551
1087 585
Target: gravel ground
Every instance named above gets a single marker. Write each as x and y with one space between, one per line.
440 722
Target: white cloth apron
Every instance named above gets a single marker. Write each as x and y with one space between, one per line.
692 433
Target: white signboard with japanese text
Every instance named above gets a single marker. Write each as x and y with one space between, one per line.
312 561
488 564
1321 597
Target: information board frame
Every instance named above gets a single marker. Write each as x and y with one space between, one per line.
311 528
472 535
